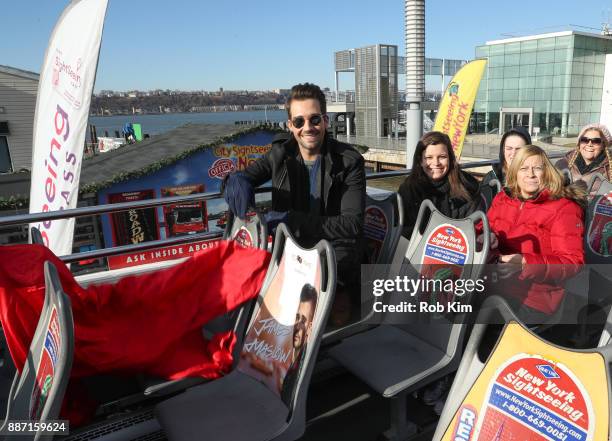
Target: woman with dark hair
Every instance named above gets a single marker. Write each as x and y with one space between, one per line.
539 225
510 143
436 176
590 156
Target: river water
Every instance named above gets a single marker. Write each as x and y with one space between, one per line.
156 124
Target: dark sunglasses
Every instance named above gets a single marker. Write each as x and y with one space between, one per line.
585 140
299 121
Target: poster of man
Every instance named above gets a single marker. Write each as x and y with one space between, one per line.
277 339
301 333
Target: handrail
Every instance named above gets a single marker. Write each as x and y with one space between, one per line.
20 219
105 252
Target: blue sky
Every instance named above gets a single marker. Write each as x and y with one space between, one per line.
246 44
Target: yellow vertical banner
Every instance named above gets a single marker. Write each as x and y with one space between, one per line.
457 103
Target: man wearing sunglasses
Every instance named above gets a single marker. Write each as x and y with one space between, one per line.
318 183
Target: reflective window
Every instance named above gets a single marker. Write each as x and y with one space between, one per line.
546 43
543 94
528 70
562 68
512 72
512 59
527 83
545 69
528 58
511 83
563 55
546 57
530 45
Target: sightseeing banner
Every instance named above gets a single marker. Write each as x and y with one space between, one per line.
543 393
62 110
457 102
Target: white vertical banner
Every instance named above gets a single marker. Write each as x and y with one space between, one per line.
606 95
62 110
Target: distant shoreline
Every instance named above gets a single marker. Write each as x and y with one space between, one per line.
179 113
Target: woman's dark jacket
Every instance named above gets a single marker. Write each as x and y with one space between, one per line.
413 194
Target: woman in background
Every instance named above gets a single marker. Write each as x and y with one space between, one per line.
510 143
436 176
590 156
513 140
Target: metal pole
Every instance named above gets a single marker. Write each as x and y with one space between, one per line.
415 73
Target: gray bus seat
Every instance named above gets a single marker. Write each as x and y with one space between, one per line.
249 232
384 219
264 397
382 227
488 192
515 385
38 391
35 236
598 240
396 359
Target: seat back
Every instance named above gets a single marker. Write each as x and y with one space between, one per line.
442 248
283 334
382 227
598 240
37 392
525 387
488 192
36 237
249 232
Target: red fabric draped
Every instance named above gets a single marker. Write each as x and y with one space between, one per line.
147 323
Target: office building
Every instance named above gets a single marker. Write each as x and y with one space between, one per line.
550 83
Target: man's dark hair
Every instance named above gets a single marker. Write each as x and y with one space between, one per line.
309 294
306 91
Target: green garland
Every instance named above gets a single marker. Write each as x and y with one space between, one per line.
19 201
14 202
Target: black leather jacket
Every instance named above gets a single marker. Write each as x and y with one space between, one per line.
343 194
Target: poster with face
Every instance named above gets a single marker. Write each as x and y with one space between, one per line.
277 337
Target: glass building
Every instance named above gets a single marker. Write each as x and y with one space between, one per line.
549 83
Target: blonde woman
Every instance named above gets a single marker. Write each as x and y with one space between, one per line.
539 225
590 156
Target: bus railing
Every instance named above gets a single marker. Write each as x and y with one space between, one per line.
21 219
